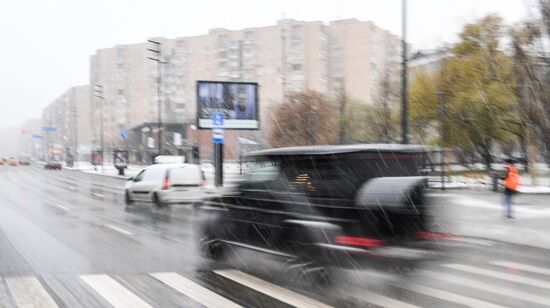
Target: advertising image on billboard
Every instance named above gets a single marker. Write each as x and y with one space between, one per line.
120 159
238 101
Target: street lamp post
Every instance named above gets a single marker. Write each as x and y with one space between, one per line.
311 126
98 90
442 113
404 93
158 52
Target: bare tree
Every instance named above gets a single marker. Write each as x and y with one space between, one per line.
304 118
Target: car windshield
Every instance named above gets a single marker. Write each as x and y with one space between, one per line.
274 153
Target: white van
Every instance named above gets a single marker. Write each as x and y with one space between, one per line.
166 183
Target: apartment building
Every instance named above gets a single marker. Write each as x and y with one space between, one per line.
344 55
69 115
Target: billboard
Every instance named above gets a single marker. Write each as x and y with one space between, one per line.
120 159
238 101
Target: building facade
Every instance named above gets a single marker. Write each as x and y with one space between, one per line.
69 119
345 55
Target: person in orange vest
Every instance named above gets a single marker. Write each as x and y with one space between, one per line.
512 182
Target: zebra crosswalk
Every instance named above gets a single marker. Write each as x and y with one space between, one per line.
493 284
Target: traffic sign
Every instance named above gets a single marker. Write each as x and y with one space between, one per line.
217 127
217 119
124 133
50 129
217 135
35 136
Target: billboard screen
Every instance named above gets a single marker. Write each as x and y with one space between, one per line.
238 101
120 159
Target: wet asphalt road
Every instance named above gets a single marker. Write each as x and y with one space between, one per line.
67 240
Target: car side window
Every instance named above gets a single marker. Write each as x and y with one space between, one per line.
263 171
139 177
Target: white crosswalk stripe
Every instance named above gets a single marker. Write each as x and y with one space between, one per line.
491 288
504 276
116 294
380 300
522 267
28 292
275 291
448 296
193 290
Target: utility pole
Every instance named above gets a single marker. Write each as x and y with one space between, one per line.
404 94
98 92
343 102
311 126
158 59
283 64
442 113
75 118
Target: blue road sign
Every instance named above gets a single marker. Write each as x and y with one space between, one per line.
217 127
124 133
217 135
49 129
35 136
217 119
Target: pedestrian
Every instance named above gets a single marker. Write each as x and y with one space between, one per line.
512 182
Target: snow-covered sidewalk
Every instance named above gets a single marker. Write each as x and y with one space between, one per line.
541 185
231 171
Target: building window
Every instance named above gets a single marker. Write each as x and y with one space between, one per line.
296 67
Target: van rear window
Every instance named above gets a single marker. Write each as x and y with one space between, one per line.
188 175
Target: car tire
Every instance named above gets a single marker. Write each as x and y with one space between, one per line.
157 202
212 250
127 199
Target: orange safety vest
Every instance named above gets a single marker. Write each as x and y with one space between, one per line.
512 181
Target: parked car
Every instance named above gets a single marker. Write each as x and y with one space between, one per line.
53 165
163 184
13 162
349 206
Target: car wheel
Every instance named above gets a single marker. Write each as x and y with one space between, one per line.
127 199
211 249
157 202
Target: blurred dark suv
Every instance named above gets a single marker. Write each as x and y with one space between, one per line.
348 206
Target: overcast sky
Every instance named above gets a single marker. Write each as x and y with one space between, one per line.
45 45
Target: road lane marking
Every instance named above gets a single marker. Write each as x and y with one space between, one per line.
272 290
61 207
499 275
522 267
193 290
380 300
120 230
29 292
491 288
447 296
112 291
98 195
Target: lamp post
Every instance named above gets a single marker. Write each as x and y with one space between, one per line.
158 59
404 93
98 92
442 113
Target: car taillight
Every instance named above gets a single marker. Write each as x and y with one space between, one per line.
358 241
165 184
